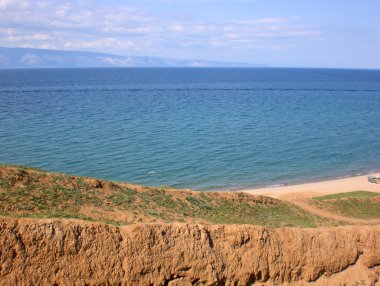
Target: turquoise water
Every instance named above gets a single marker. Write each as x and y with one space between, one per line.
193 128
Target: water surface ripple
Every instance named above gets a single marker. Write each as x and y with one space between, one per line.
193 128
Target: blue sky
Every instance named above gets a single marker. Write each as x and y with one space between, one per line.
283 33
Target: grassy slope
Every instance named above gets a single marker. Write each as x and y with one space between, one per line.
26 192
350 195
359 204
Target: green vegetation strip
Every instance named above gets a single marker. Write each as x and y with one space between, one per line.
30 193
358 204
352 195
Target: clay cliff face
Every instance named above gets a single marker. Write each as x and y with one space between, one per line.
70 252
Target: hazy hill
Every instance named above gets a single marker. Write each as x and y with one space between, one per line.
40 58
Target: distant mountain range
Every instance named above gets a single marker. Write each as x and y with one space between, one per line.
41 58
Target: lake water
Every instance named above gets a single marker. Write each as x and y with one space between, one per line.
193 128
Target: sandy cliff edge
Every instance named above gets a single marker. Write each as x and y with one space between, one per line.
73 252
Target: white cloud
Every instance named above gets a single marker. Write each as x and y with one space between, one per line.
177 27
271 20
89 25
128 62
31 59
106 43
62 10
12 5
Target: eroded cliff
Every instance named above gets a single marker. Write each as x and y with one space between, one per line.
73 252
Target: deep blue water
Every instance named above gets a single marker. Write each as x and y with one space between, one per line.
193 128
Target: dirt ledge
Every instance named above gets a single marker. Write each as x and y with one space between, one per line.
73 252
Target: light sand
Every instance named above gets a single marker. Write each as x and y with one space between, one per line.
319 188
300 195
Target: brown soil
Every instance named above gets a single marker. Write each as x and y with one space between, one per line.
210 247
69 252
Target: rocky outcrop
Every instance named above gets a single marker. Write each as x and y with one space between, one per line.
72 252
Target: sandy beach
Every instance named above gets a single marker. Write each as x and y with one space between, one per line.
319 188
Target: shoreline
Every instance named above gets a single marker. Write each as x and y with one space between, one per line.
340 185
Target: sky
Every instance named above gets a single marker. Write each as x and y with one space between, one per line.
276 33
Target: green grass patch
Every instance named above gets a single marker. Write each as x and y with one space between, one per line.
359 204
352 195
201 202
122 198
21 167
31 193
224 211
